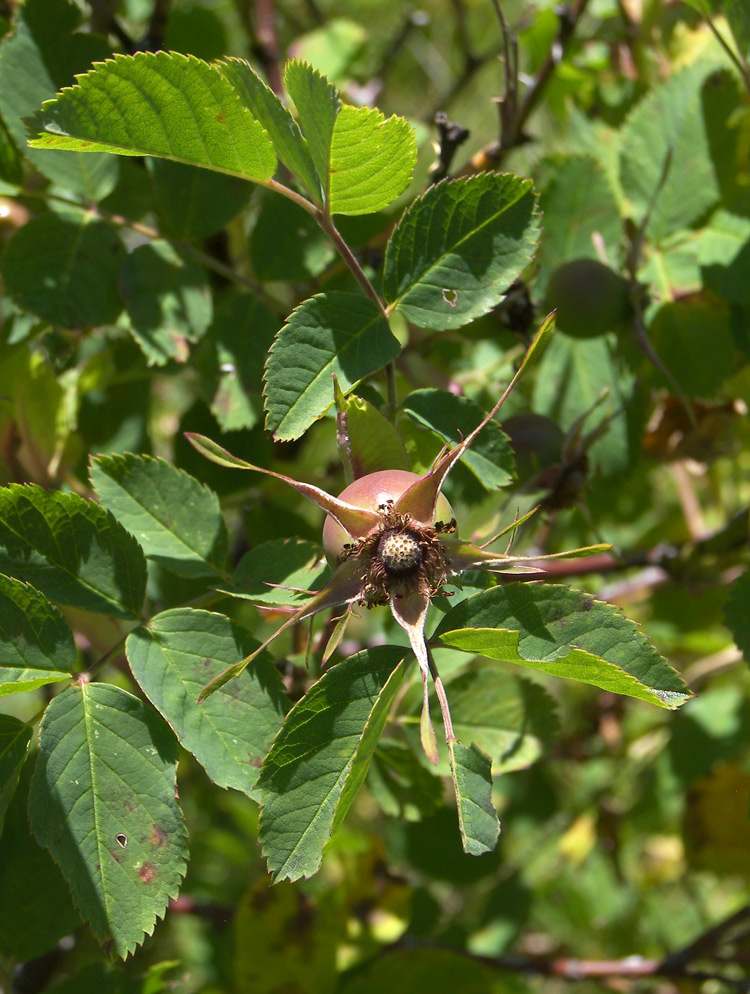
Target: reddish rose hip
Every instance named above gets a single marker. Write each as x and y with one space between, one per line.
374 492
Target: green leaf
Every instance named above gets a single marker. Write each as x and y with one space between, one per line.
666 131
570 382
401 784
232 354
319 759
283 130
43 54
168 300
458 247
693 338
15 737
165 104
230 732
567 633
36 643
102 801
577 202
176 519
510 718
370 442
336 332
64 268
41 911
318 106
287 243
737 613
723 252
72 550
194 202
372 160
472 781
432 969
490 458
274 573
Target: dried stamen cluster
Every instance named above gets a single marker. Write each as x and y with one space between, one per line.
400 557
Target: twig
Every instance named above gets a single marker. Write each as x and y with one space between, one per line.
452 137
103 14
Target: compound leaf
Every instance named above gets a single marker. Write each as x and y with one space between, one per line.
319 759
458 247
102 801
72 550
158 103
472 782
372 160
565 632
176 519
36 643
335 332
230 732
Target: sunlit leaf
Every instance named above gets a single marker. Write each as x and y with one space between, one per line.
472 781
158 103
567 633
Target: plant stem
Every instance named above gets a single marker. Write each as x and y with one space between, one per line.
326 223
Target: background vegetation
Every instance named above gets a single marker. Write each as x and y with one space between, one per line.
131 289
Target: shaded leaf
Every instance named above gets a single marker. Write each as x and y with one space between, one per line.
265 965
168 300
490 458
510 718
158 103
36 911
577 202
693 338
36 643
567 633
335 332
232 354
15 737
43 53
458 247
102 801
194 202
72 550
174 656
287 243
431 970
403 787
665 156
472 781
372 160
176 519
319 759
63 268
737 613
279 573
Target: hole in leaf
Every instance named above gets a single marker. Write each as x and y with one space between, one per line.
121 840
450 296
